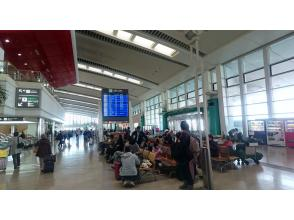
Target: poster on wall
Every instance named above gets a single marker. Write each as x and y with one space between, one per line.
115 105
27 98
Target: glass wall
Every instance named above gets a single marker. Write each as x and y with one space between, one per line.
137 109
255 96
153 110
72 119
183 95
212 81
281 59
232 104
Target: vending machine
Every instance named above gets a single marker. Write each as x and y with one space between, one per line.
289 132
275 133
256 128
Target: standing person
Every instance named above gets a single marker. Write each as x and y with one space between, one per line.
44 150
23 136
15 149
60 139
191 149
138 136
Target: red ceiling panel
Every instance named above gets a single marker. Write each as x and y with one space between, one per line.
50 52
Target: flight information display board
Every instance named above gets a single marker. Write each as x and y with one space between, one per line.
115 105
27 98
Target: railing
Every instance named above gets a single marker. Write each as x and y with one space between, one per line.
24 75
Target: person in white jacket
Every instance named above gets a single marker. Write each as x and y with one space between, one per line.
14 150
128 170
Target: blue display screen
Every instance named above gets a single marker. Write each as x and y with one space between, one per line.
115 105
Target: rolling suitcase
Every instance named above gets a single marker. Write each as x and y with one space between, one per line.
3 163
116 167
48 165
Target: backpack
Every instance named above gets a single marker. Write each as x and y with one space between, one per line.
194 148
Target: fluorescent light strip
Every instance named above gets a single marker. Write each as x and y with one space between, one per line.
77 94
64 103
120 76
73 100
110 74
88 86
16 122
141 41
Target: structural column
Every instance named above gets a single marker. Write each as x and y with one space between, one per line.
220 92
243 99
268 82
131 124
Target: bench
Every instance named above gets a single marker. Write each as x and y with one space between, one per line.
224 159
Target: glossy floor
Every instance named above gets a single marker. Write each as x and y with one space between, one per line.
80 167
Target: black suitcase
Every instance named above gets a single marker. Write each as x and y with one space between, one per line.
48 165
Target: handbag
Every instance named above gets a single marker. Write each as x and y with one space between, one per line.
19 145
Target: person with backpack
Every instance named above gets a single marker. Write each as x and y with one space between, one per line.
16 145
189 154
44 150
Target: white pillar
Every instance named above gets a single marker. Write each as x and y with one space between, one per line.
268 82
100 121
220 95
205 98
243 99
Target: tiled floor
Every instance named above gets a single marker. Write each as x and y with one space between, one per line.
80 167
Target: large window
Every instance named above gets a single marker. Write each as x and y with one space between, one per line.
183 95
153 110
282 76
212 81
72 119
233 109
137 109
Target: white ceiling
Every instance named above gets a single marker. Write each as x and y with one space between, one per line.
152 69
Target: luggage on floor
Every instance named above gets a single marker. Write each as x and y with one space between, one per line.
117 166
3 163
48 165
4 152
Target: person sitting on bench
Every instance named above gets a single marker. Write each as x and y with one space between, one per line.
128 170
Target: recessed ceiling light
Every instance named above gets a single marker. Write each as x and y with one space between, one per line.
120 76
25 64
88 86
19 54
105 72
123 35
94 69
82 66
7 41
164 50
134 81
143 42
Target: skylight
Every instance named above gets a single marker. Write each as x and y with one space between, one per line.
141 41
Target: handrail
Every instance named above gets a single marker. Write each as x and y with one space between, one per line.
24 75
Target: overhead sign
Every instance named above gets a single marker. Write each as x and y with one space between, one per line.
115 105
27 98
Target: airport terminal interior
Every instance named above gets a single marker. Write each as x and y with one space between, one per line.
146 109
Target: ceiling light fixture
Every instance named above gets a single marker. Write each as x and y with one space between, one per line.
120 76
19 54
123 35
107 32
108 73
88 86
94 69
160 48
82 66
73 100
76 94
25 64
7 41
134 81
143 42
